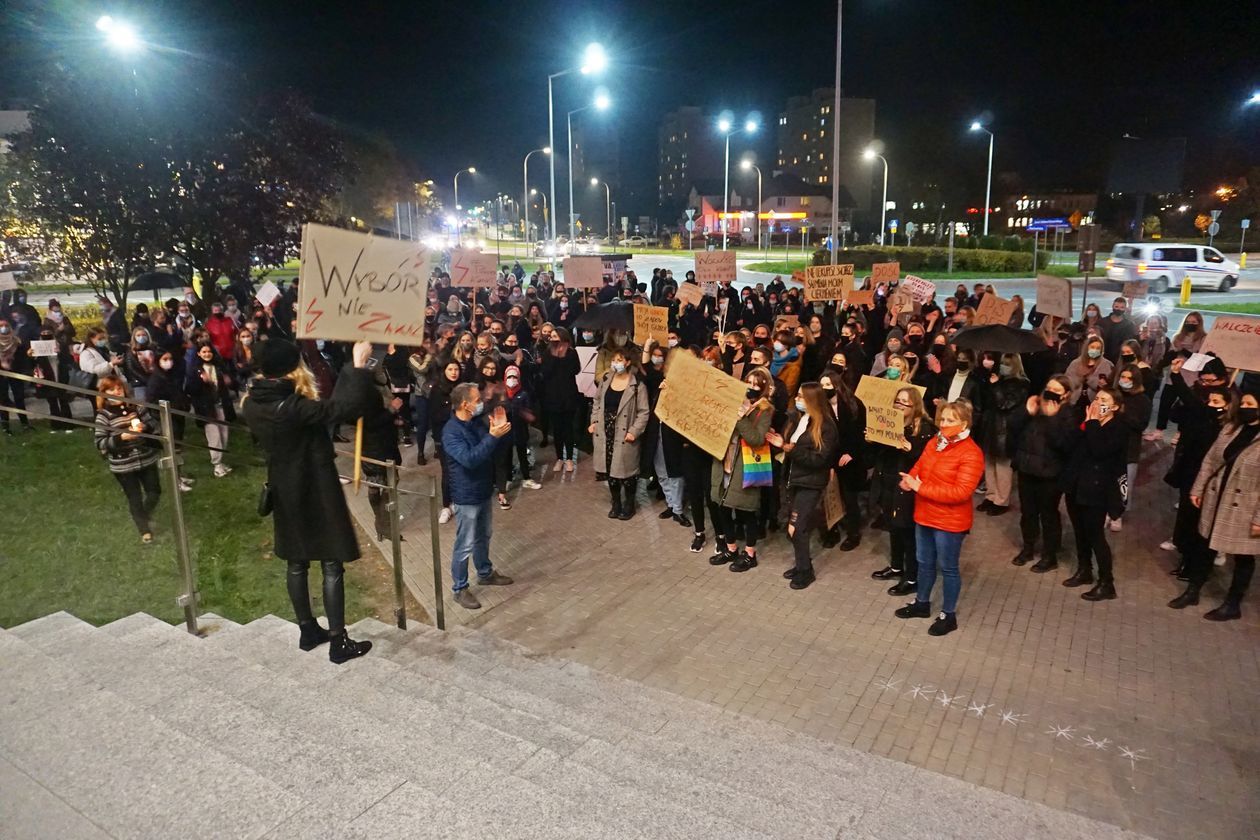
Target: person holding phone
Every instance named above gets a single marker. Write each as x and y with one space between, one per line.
1094 488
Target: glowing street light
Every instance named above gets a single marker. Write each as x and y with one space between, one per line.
119 34
746 165
594 61
472 170
725 126
988 183
1254 100
871 154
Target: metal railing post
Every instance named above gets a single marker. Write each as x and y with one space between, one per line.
189 599
395 540
439 603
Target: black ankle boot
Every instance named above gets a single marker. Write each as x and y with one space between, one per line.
1081 578
1186 599
1101 592
1025 554
342 648
614 489
1047 563
312 635
627 503
1229 610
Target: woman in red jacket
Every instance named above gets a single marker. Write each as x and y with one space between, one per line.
943 480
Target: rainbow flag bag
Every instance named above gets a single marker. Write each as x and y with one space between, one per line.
758 470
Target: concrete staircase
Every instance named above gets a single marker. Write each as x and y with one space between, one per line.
137 729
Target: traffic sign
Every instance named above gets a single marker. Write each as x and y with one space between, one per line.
690 225
1216 214
911 227
1246 223
1214 228
893 225
691 212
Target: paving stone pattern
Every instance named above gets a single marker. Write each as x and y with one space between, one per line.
138 730
1123 711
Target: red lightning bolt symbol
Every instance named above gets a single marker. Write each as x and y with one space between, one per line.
315 314
457 264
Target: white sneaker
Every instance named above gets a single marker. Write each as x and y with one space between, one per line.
221 470
530 484
1167 545
444 516
185 485
1116 525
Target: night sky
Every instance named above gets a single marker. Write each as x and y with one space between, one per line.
464 83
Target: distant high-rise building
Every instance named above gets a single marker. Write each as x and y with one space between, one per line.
805 141
686 152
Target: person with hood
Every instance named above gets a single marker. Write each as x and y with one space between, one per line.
892 347
290 421
735 486
619 417
1042 435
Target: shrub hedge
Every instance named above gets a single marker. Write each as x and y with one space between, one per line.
932 259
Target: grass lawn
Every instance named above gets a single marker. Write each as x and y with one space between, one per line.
786 269
1241 308
70 544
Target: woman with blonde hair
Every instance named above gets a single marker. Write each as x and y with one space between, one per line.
290 420
896 505
1090 371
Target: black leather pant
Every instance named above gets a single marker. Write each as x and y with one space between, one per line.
334 592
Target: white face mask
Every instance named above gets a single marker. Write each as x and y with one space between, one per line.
673 342
619 367
166 364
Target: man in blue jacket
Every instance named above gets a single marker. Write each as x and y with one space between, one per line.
470 447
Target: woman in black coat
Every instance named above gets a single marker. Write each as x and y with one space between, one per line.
380 443
1042 435
896 504
312 522
1092 485
448 377
809 447
850 464
208 386
559 397
1137 414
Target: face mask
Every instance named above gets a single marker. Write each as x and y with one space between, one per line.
1220 412
216 313
1051 396
673 342
619 367
1005 370
988 364
1125 384
753 393
800 406
247 341
564 304
893 373
102 344
1117 313
620 340
778 347
846 337
166 364
1128 358
478 408
1091 313
1093 352
1247 416
142 340
512 382
4 330
916 339
190 298
964 365
953 430
588 336
658 361
894 347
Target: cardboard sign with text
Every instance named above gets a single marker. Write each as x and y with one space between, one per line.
861 297
472 269
8 281
650 322
833 502
700 402
689 293
888 272
787 322
267 293
900 303
994 310
828 282
884 421
1235 339
1054 296
586 374
715 266
919 289
583 272
356 286
1136 289
44 348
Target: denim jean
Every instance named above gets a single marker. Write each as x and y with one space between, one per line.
671 487
939 549
472 537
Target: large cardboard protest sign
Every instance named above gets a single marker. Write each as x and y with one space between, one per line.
920 290
689 293
833 502
583 272
472 269
650 322
700 402
356 286
884 421
828 282
888 272
1235 339
994 310
1054 296
715 266
861 297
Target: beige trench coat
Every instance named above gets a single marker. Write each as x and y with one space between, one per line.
1228 512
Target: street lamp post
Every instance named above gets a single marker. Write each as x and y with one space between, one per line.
871 154
601 103
546 213
594 61
459 225
546 150
746 165
607 203
834 174
724 126
988 181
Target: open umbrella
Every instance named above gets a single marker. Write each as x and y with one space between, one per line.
999 338
154 280
614 315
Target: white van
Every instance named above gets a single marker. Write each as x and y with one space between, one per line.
1163 264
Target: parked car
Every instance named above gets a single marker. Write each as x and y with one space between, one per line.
1163 264
733 238
634 242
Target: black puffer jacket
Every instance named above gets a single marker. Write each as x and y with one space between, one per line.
890 462
809 465
1096 464
1001 400
1042 445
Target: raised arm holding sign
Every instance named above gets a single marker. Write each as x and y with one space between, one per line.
702 403
828 282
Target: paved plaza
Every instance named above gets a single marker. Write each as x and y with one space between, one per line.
1123 711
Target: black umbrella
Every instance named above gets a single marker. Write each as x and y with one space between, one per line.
999 338
154 280
614 315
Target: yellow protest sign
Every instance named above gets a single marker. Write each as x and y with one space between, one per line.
700 402
715 266
828 282
355 286
884 421
650 322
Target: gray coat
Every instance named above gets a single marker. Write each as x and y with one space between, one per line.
752 427
633 413
1228 512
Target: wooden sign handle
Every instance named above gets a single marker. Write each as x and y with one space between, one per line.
358 454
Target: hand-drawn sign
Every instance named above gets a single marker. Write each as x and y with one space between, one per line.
701 403
833 502
1054 296
887 272
472 269
44 348
1235 339
650 322
715 266
267 292
920 290
689 293
583 272
994 310
884 421
356 286
828 282
861 297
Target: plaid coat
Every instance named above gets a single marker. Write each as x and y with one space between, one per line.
1228 512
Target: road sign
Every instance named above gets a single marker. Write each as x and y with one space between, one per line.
690 225
691 212
1087 243
911 227
892 225
1246 223
1214 228
1216 214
